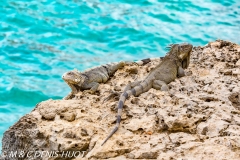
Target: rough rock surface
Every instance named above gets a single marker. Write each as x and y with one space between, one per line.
199 118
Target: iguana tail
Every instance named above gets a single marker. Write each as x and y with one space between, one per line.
147 60
137 90
111 68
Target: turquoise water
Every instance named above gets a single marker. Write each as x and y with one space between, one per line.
40 40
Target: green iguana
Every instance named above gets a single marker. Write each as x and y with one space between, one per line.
171 67
90 78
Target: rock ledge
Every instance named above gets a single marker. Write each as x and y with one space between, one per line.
199 118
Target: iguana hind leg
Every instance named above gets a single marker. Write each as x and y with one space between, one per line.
117 94
160 85
131 85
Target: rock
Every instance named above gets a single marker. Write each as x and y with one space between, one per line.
215 44
68 116
238 62
199 118
235 99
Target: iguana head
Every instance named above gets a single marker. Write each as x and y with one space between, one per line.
72 77
183 52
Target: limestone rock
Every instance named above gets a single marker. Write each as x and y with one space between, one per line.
199 118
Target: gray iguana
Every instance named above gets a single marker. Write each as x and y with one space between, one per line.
171 67
90 78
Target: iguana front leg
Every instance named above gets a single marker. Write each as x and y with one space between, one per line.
93 86
181 72
71 94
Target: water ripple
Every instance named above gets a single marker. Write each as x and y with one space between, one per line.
40 40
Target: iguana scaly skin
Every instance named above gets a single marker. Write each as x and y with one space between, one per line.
90 79
167 71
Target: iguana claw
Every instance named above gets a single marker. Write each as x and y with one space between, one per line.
112 95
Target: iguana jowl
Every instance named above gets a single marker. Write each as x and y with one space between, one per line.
90 79
168 70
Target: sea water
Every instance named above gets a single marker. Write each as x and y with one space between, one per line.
40 40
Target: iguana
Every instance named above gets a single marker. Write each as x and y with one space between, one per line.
90 78
168 70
